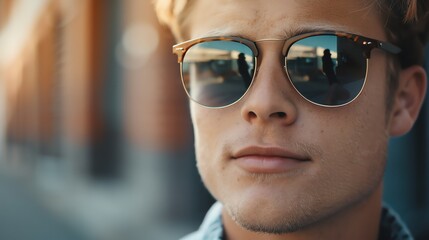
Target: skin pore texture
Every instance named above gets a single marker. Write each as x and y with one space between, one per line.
336 192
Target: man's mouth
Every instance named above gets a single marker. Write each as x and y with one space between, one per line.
256 159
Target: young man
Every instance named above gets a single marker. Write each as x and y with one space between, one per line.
299 153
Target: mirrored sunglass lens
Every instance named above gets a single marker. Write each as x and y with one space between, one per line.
327 69
217 73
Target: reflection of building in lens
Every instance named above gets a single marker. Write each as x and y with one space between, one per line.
217 74
213 64
304 63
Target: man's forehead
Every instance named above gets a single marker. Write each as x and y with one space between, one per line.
260 20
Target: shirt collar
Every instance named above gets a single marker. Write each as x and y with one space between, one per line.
391 226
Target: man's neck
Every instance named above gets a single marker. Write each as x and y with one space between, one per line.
359 221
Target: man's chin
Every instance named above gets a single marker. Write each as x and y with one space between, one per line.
269 221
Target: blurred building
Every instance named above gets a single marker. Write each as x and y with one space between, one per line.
93 119
95 138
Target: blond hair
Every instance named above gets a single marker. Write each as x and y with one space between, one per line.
173 14
407 23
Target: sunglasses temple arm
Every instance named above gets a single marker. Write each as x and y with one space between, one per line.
388 47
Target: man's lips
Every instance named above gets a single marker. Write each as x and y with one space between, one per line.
268 159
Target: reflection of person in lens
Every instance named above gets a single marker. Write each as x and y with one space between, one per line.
243 69
328 67
337 93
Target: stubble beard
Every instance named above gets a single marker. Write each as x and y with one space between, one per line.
299 218
302 213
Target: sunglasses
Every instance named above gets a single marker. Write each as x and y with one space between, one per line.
326 68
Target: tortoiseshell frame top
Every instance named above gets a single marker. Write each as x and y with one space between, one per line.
368 43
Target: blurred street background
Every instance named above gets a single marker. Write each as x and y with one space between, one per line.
95 138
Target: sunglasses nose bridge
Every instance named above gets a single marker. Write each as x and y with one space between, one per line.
279 42
268 45
271 67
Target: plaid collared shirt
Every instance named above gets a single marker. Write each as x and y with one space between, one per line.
391 226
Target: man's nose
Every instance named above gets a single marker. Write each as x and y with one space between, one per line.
269 99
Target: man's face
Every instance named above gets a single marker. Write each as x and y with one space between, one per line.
276 161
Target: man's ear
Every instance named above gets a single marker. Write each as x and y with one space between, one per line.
407 100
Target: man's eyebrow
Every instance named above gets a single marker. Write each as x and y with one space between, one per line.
218 32
297 30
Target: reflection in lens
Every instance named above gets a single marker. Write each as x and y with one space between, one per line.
217 73
326 69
